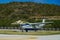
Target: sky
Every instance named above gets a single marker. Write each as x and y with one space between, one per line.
56 2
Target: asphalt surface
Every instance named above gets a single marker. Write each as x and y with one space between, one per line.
27 37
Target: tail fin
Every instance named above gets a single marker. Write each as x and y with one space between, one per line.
43 21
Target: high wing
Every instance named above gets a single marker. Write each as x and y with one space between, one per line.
43 22
46 22
38 23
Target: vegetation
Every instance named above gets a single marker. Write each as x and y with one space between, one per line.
12 12
29 33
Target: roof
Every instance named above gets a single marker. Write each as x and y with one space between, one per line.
19 22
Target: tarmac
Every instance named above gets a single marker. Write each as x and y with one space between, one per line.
29 37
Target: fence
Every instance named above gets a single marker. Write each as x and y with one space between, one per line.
47 29
50 29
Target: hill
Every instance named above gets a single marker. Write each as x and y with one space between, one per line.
23 11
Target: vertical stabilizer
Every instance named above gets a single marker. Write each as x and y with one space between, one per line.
43 21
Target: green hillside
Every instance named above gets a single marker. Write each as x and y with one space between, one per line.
23 11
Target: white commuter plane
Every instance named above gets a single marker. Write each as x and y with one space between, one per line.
33 26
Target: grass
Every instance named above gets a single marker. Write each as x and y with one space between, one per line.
29 33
